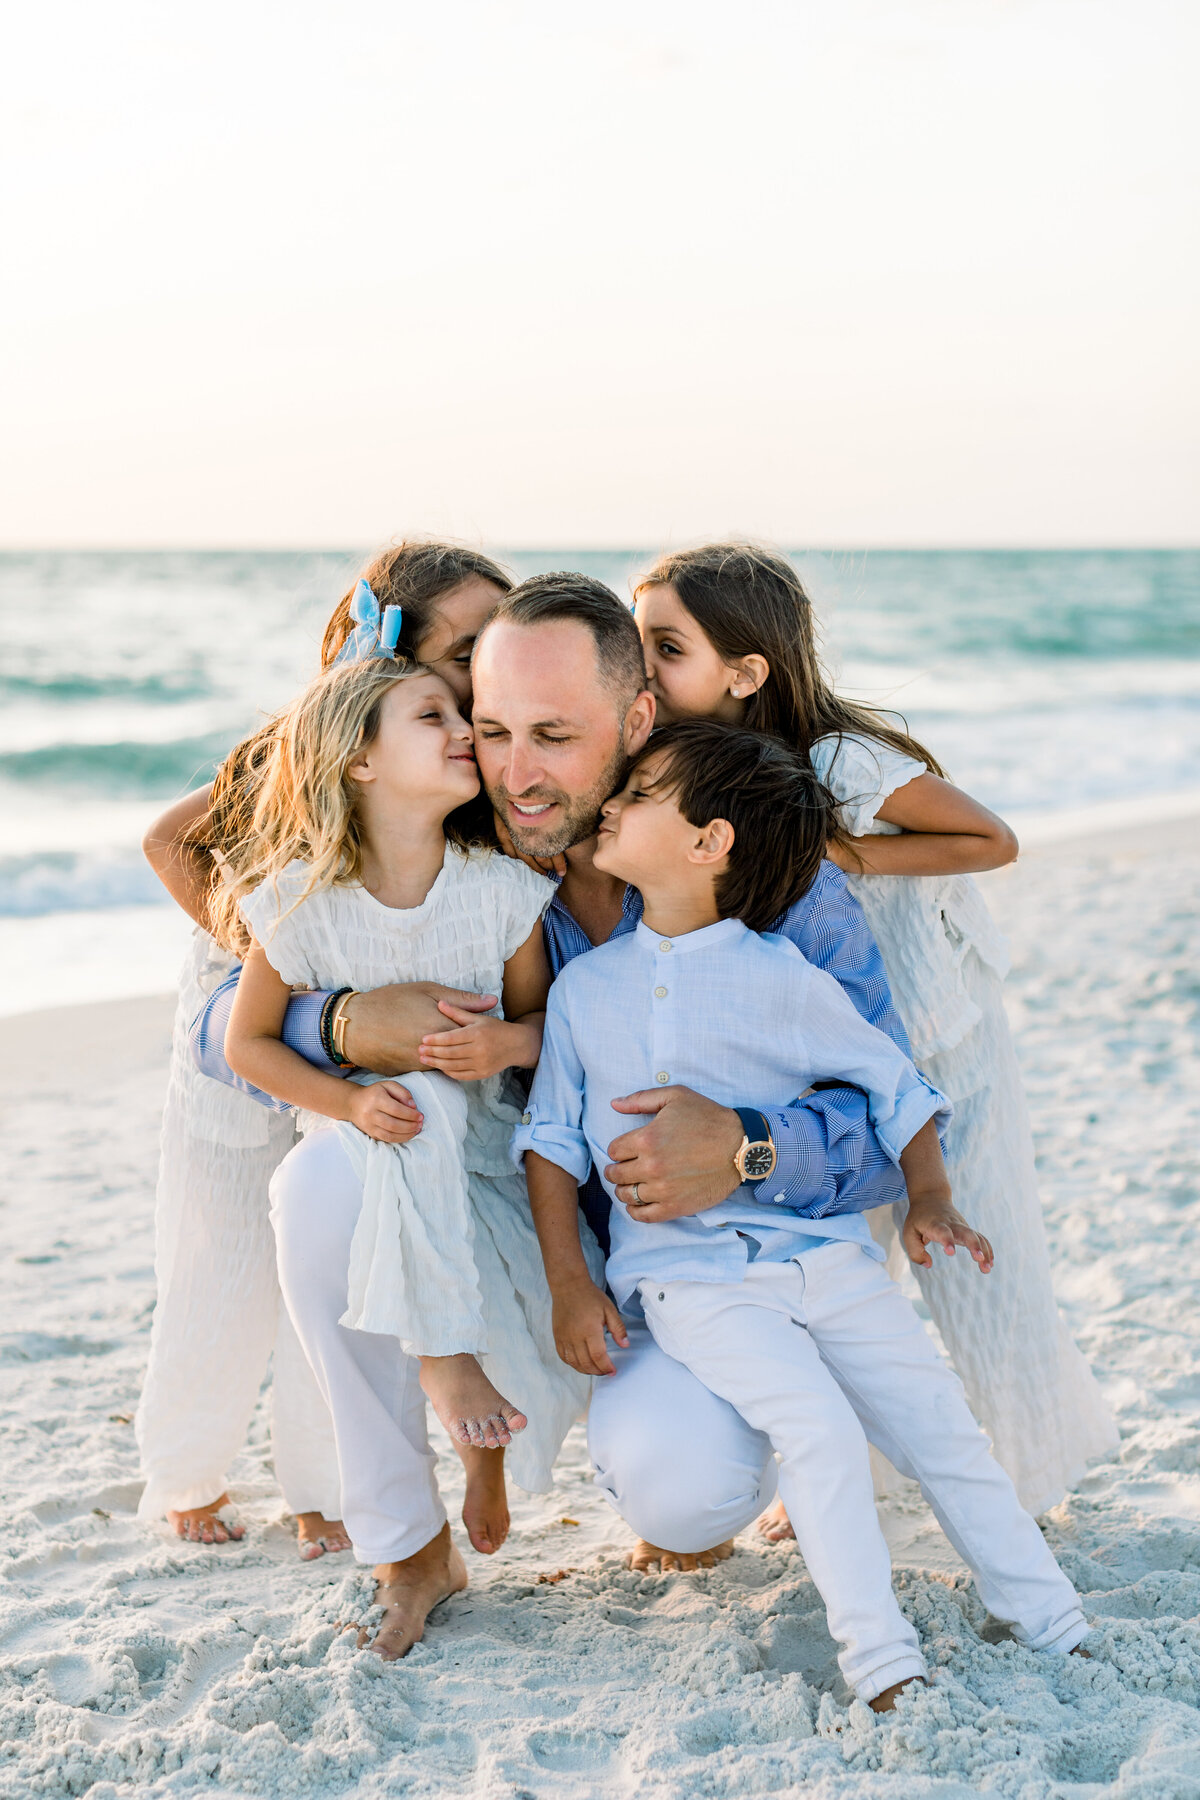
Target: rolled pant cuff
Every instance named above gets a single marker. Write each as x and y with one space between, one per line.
909 1667
402 1547
159 1496
1062 1637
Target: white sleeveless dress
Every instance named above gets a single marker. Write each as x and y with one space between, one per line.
1025 1377
445 1256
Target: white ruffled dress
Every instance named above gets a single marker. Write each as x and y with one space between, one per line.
445 1256
1025 1377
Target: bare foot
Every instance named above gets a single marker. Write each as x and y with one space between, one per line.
318 1536
886 1702
775 1525
470 1408
201 1525
409 1591
485 1503
643 1557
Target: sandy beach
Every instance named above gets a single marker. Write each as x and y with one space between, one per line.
132 1663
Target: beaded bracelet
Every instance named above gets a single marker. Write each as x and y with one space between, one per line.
326 1030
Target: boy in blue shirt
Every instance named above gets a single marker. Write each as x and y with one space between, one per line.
793 1320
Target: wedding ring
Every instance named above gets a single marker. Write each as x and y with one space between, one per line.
634 1196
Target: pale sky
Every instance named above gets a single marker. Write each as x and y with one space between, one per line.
850 272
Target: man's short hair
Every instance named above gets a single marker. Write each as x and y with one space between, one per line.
781 814
565 595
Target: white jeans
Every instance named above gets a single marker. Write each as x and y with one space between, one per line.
800 1349
390 1503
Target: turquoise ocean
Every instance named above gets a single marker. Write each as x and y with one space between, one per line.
1061 688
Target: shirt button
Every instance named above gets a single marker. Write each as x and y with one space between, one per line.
525 1118
660 993
665 944
777 1196
662 1076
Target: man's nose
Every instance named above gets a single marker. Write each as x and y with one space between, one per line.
524 770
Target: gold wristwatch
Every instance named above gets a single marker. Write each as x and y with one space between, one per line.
755 1159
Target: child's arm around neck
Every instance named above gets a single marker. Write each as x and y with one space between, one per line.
942 832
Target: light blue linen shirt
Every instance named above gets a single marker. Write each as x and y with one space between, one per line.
728 1012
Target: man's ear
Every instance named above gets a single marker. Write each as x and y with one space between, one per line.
713 842
639 723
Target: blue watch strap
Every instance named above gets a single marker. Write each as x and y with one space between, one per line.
757 1128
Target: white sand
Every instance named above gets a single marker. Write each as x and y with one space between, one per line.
136 1664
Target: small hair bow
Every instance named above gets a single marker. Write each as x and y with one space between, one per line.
371 636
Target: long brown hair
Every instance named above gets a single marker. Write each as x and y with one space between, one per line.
413 575
749 601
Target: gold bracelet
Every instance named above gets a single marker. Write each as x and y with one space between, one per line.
337 1029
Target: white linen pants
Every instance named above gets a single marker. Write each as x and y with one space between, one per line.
390 1502
217 1316
800 1349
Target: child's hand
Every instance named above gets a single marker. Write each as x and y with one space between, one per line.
385 1111
479 1046
582 1315
938 1221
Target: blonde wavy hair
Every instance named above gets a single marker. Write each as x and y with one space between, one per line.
305 804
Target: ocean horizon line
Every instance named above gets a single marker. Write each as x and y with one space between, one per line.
1149 548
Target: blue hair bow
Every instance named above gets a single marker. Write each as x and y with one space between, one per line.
371 636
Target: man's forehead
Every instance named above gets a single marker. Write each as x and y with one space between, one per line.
547 671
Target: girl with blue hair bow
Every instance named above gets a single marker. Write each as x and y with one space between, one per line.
218 1319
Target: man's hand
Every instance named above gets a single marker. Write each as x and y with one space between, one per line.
385 1111
681 1161
582 1315
384 1028
480 1047
937 1220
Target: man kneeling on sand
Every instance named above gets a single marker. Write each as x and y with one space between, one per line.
560 707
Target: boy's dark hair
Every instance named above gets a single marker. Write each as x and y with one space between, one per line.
565 595
782 815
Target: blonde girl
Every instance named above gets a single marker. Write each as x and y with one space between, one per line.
728 633
218 1322
363 871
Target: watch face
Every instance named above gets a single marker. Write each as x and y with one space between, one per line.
758 1161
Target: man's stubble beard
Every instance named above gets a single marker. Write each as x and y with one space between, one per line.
580 818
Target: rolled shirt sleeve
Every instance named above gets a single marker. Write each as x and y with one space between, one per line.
552 1123
842 1046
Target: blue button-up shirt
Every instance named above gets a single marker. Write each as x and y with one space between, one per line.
723 1011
